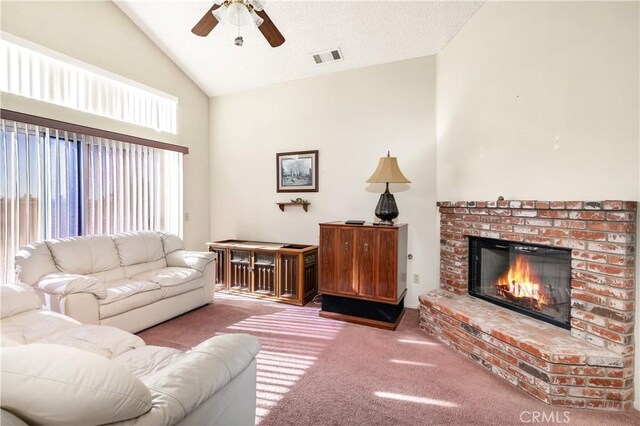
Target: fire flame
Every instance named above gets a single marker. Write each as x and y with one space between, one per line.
521 282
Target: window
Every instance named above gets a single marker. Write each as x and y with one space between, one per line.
56 183
33 71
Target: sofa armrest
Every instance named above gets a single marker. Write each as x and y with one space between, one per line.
196 376
235 351
197 260
62 284
82 307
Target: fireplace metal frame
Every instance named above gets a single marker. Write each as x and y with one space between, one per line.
474 270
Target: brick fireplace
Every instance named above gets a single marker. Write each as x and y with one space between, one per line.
588 366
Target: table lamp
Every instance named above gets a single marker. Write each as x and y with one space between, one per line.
387 172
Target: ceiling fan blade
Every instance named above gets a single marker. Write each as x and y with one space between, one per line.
206 23
269 30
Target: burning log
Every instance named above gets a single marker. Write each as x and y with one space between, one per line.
521 286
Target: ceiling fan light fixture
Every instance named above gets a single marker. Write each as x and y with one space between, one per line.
239 13
220 13
256 5
256 20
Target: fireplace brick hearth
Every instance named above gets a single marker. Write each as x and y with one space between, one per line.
590 366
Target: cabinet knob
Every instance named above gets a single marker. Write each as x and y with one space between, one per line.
366 247
346 245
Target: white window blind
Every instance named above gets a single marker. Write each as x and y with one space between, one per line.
56 184
39 73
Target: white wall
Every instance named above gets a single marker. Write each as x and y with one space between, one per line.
541 101
100 34
352 118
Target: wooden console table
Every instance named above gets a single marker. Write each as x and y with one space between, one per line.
285 272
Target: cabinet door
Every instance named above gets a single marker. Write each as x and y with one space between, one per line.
386 269
289 276
264 273
240 270
221 279
365 261
345 277
336 260
328 261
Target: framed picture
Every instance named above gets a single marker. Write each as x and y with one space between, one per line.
297 171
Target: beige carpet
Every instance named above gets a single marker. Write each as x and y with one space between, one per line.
316 371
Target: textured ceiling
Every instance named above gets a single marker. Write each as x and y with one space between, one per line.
367 33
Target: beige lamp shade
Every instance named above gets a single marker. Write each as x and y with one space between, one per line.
388 172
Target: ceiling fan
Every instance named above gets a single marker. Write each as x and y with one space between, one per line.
239 13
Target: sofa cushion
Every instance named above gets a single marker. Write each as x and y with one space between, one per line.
8 341
102 340
9 419
171 243
33 326
125 295
138 247
84 255
110 275
174 290
147 359
121 289
17 299
133 270
33 261
56 385
167 277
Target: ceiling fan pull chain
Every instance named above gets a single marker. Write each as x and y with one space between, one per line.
239 41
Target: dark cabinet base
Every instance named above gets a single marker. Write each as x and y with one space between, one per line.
374 314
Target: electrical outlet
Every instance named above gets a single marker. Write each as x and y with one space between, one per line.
186 217
416 278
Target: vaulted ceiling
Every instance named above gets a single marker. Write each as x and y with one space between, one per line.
366 32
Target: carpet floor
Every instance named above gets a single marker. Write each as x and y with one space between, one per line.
316 371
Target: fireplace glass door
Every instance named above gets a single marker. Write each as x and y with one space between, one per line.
534 280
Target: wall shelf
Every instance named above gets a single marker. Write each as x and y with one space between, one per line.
305 206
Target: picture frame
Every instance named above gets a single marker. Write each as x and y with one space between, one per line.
297 171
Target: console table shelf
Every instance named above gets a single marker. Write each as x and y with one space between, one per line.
305 206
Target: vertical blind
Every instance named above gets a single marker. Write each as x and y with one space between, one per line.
56 184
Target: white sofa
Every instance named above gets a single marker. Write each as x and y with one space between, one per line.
131 281
56 371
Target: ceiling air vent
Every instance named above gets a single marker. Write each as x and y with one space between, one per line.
327 56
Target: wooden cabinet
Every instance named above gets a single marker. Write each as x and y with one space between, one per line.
363 263
284 272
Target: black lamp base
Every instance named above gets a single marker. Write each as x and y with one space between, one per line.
386 210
